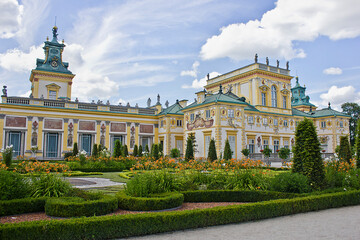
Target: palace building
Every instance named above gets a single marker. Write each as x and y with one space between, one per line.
253 107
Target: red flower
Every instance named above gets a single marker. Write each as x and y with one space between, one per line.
261 150
323 151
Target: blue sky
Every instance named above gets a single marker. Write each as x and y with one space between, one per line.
128 51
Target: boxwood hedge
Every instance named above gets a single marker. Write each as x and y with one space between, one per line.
23 205
159 202
110 227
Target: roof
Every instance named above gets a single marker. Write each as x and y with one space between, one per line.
325 112
173 109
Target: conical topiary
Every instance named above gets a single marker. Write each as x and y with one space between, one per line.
212 156
227 150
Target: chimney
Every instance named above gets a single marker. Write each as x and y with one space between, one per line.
200 96
183 103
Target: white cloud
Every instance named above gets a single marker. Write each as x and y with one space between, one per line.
275 33
202 82
193 72
10 18
339 95
19 61
333 71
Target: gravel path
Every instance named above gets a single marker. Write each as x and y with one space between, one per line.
339 223
92 182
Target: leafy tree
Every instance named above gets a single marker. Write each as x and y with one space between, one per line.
344 151
357 144
246 152
155 151
95 152
125 151
140 151
212 150
352 109
117 149
284 153
307 155
267 151
135 152
75 149
227 150
189 153
174 153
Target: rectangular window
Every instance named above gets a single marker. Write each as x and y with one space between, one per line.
232 142
275 122
162 123
179 123
230 113
207 112
207 143
52 141
192 117
251 145
86 143
265 143
285 123
179 145
52 95
286 144
276 145
263 99
114 138
265 121
341 124
15 141
284 101
251 119
323 124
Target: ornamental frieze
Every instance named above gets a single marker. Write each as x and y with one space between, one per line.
200 122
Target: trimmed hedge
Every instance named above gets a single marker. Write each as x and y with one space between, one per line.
159 202
24 205
234 196
117 226
78 207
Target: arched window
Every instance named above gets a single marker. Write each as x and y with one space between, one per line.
273 96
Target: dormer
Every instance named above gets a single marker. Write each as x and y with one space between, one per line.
200 96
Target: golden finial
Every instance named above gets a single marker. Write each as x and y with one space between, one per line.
63 41
47 38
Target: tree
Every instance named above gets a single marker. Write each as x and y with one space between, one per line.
353 110
307 155
357 144
246 152
175 153
140 151
227 150
75 149
284 153
161 149
189 153
212 156
147 149
344 151
95 152
135 152
125 151
155 151
192 136
117 149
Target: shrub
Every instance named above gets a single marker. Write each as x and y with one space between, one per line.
140 151
212 150
284 153
67 154
357 144
290 183
49 185
246 152
135 152
267 151
95 152
19 206
155 202
77 207
344 151
155 151
124 151
117 149
227 150
75 149
7 155
13 185
189 153
147 149
246 180
175 153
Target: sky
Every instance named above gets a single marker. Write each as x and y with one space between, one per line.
132 50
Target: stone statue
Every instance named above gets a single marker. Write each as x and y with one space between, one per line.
148 102
256 58
230 88
4 91
267 61
128 104
76 100
54 30
158 99
108 102
167 103
136 105
277 63
208 76
287 65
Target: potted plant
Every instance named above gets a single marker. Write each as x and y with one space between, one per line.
266 151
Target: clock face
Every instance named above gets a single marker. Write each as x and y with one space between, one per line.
54 64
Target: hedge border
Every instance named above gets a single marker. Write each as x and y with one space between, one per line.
23 205
78 207
117 226
161 202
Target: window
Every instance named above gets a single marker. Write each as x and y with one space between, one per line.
265 121
52 95
15 139
207 143
207 113
263 99
52 142
341 124
230 113
273 96
284 101
192 117
323 124
276 145
86 143
179 123
265 143
285 123
275 122
251 145
232 142
286 144
162 123
250 119
179 145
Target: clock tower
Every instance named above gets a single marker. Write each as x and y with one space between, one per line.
51 78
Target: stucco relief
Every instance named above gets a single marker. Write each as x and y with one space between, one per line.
200 122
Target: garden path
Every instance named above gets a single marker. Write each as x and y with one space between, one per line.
339 223
92 182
